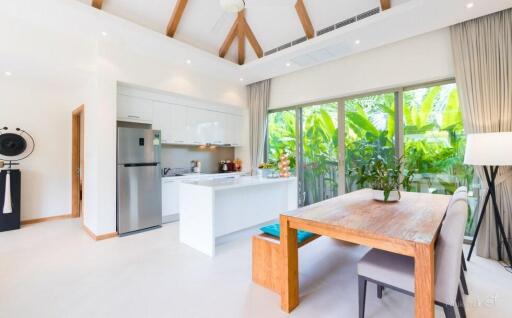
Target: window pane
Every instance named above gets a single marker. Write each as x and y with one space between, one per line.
320 152
281 137
435 142
369 132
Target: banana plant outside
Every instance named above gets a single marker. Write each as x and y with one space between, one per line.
434 141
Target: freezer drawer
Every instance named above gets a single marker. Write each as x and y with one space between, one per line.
139 197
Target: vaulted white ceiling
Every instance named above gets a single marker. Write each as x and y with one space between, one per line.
275 22
204 25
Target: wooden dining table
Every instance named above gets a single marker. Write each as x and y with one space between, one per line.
407 227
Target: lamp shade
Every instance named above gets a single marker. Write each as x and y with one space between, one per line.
489 149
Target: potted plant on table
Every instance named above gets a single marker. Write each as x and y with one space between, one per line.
266 170
385 178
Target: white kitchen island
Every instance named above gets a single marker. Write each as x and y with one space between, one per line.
211 209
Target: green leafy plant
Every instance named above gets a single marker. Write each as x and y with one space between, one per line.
379 174
434 141
267 165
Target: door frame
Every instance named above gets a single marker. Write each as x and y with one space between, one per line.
77 160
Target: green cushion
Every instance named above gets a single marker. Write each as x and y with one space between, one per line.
275 231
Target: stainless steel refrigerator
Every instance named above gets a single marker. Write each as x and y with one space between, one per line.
139 187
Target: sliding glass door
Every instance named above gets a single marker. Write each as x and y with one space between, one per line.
422 124
369 133
319 155
282 137
434 144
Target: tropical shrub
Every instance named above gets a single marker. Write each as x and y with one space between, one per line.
434 140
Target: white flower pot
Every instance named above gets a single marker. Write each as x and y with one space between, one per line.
265 173
378 195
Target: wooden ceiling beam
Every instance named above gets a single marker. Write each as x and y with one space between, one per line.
241 37
177 13
385 4
251 38
241 30
97 4
304 19
241 45
233 32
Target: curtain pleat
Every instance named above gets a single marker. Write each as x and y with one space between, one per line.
258 95
482 50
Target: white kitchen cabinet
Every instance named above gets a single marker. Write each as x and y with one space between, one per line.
134 109
170 200
220 124
172 121
234 124
199 126
182 125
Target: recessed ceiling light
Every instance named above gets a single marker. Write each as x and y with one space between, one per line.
104 33
189 62
288 64
357 42
470 5
7 73
241 79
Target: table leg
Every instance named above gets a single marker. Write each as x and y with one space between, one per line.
424 266
289 266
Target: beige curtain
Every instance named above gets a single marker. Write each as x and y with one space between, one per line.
258 95
482 50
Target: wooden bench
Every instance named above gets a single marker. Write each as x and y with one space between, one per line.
266 251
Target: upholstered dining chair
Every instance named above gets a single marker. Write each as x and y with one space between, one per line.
396 272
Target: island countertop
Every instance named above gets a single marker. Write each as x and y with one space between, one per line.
238 182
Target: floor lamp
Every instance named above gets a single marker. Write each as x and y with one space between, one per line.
490 150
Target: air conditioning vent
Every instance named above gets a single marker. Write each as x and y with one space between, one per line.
300 40
271 52
284 46
325 30
345 22
328 29
369 13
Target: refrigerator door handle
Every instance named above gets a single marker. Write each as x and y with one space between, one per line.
150 164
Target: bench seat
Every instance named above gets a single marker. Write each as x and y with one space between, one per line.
266 250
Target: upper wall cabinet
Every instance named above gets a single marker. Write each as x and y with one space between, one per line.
182 122
172 121
134 109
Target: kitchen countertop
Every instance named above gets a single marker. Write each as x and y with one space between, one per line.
199 176
230 183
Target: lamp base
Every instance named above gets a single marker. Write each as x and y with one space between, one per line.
500 231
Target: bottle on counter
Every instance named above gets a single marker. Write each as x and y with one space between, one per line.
197 166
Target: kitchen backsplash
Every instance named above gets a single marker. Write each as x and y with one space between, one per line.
181 157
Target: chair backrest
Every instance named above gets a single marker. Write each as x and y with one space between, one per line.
449 248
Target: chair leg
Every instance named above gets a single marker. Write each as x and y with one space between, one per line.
460 304
362 295
449 311
463 282
379 291
464 267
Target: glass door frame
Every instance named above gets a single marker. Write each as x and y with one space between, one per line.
399 127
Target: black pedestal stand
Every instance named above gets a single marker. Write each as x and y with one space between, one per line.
10 221
500 231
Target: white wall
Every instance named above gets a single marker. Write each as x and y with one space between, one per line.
45 86
417 60
59 60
